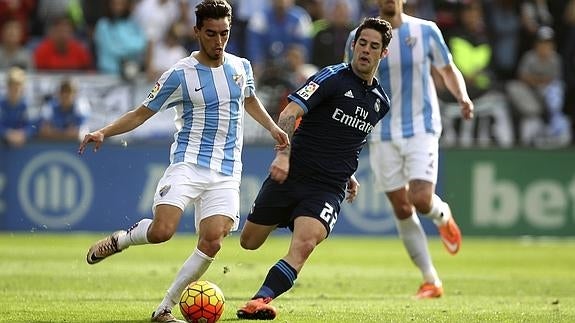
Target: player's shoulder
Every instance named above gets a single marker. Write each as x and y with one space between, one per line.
328 78
330 73
185 62
232 59
411 20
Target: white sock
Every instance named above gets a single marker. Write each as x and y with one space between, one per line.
194 267
137 234
438 213
415 242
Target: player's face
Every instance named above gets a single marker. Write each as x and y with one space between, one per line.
213 37
390 7
367 51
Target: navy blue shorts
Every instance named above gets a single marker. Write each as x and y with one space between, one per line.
279 204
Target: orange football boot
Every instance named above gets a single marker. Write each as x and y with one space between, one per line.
450 234
257 309
429 290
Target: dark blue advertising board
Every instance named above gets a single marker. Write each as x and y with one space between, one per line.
49 187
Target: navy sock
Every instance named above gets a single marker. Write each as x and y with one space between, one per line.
280 279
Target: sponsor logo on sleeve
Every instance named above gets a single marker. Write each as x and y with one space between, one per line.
164 190
307 91
154 91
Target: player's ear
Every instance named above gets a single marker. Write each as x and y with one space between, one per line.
384 52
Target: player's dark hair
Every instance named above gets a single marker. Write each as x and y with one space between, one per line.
377 24
212 9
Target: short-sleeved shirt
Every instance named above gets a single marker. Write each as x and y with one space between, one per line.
209 104
405 74
341 109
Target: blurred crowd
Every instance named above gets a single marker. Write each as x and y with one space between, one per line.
518 56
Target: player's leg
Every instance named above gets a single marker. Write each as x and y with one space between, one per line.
308 232
212 231
146 231
216 214
414 239
387 162
254 235
273 207
421 164
171 197
433 207
270 208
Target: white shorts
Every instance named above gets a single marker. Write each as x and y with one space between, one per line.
211 192
395 163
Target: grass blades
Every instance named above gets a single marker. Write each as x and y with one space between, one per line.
44 278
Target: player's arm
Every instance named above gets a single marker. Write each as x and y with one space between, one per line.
352 188
287 122
256 110
279 168
127 122
456 85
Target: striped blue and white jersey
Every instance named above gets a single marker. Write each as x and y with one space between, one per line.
209 104
405 74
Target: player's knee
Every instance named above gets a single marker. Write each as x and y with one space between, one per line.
211 239
422 202
249 243
159 234
245 243
210 246
403 211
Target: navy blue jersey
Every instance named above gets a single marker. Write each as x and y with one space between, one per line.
341 109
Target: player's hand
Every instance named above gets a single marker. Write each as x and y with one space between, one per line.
281 138
466 106
279 168
97 137
352 189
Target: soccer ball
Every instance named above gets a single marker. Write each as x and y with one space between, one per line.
202 302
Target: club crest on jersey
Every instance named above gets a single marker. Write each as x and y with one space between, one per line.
307 91
154 91
377 105
164 190
410 41
239 79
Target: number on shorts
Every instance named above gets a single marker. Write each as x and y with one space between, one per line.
328 215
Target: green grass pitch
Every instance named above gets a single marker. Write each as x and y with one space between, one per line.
44 278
